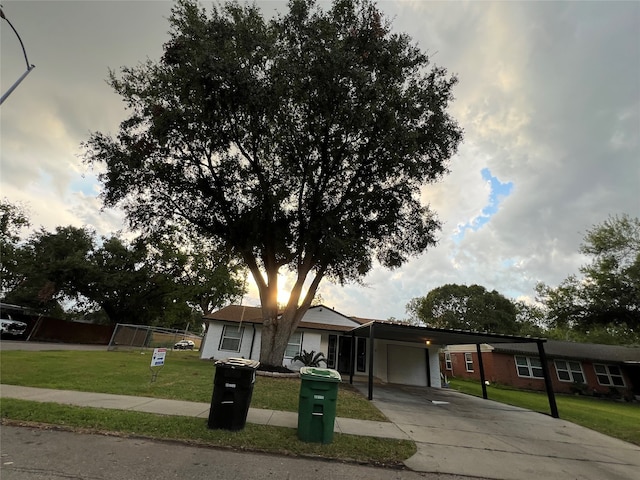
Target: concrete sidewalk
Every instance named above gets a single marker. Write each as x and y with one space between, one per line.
191 409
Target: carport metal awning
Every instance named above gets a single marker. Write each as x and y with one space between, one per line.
381 330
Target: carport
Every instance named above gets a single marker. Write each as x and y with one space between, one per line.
382 330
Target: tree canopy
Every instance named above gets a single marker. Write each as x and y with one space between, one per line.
13 218
605 299
70 272
468 308
300 141
51 266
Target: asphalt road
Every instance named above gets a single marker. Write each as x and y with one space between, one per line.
32 454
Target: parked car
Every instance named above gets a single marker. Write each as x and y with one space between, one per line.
12 328
184 345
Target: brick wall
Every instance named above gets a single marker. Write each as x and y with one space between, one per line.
501 368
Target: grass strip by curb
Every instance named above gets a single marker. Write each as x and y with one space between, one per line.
269 439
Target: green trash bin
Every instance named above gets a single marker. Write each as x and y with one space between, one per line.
317 405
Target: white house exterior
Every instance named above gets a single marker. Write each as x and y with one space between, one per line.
235 331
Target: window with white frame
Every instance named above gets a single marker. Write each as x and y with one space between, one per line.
609 375
529 367
294 346
231 338
569 371
468 361
447 361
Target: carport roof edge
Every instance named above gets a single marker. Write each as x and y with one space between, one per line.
436 336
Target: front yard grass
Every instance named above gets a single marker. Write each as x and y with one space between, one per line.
614 418
184 377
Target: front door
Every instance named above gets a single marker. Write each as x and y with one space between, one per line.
345 354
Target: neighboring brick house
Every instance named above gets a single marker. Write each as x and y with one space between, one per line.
592 369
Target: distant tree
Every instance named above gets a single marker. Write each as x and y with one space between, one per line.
317 300
52 264
167 284
207 275
530 319
124 286
71 273
606 298
300 142
465 307
609 334
13 218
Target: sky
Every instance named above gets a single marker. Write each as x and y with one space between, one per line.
548 97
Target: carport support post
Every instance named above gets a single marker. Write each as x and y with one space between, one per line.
547 380
352 363
426 351
371 337
481 365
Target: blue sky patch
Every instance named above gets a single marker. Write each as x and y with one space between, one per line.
85 184
498 192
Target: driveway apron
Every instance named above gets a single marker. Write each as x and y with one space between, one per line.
465 435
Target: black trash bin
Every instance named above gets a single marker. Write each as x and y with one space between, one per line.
232 391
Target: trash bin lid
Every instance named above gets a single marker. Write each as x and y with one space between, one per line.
238 362
322 374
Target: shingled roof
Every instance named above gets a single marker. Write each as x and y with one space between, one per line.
237 313
574 350
253 315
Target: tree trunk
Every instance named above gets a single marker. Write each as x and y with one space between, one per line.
274 343
277 327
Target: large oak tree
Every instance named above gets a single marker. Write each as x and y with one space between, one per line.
300 141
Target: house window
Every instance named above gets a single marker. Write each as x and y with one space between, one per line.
294 346
568 371
331 351
529 367
610 375
231 338
361 362
468 361
447 361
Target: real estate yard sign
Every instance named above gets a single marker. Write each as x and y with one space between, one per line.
157 360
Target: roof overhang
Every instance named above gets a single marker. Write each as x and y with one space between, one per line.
435 336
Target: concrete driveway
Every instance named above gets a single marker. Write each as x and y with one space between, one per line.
465 435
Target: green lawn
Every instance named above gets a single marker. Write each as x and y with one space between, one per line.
613 418
184 377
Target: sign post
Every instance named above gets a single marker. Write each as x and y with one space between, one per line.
157 362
